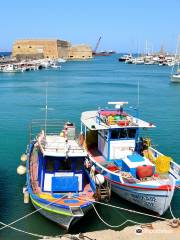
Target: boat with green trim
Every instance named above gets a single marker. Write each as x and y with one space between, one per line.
57 183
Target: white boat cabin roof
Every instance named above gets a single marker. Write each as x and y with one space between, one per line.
92 121
57 146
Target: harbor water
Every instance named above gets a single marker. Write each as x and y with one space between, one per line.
76 87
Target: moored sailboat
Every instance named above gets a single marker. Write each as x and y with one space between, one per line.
175 74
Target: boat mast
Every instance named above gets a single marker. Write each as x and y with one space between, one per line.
146 49
177 55
138 103
46 109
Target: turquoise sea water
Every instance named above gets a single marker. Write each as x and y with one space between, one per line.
77 87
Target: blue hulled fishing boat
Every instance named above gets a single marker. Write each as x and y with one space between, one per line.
57 182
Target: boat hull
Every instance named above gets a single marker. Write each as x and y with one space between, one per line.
175 78
156 201
155 198
61 216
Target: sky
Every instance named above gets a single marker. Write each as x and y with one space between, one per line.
124 25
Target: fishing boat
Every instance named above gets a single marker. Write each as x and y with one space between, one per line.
57 182
176 77
125 58
138 60
11 68
136 171
61 60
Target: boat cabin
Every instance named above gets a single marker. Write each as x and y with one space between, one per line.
116 141
119 139
62 175
117 132
60 165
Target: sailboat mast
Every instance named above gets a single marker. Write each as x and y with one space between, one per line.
146 51
177 55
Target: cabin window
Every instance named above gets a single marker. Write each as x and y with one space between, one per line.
132 133
49 167
123 133
115 134
64 165
53 164
78 164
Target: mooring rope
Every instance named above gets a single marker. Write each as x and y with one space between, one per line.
114 226
125 209
29 214
170 209
92 202
129 210
25 232
35 234
127 220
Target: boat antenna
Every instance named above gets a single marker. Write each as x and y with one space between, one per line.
138 94
46 110
138 99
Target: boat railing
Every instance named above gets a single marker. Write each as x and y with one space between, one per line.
155 152
63 148
50 127
175 167
128 121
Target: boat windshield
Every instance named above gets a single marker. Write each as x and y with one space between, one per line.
54 164
123 133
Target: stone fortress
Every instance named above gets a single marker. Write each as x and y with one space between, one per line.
52 49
